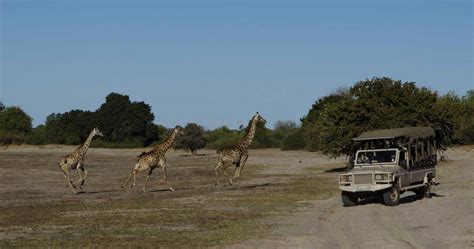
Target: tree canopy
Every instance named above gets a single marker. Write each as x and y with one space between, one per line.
119 119
193 138
378 103
14 125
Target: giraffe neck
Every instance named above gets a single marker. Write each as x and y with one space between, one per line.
246 141
85 145
166 145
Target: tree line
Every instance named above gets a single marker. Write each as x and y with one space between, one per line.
329 125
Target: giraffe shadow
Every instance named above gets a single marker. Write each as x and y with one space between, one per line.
167 190
99 192
203 154
257 185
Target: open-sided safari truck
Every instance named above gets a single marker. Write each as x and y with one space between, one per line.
389 162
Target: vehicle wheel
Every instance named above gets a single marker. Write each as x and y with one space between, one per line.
392 196
349 199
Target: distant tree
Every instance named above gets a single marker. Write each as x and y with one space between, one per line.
14 119
287 125
294 141
283 129
221 137
71 127
123 122
14 125
37 136
2 106
193 138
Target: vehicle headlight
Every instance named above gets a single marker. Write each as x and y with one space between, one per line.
345 178
381 177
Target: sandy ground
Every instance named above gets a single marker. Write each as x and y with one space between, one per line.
30 175
444 221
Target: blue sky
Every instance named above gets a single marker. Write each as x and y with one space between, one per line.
218 63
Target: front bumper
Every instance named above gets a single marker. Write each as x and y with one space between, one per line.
365 187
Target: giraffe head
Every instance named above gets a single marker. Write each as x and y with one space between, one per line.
259 118
97 132
179 130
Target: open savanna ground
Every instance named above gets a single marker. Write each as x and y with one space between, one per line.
284 199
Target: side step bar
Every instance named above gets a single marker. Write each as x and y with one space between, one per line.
413 186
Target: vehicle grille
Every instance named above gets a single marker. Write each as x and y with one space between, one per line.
363 179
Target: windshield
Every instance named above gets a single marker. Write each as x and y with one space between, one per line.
376 157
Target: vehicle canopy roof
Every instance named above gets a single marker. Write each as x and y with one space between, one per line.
412 133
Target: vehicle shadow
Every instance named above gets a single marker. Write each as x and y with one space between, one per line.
337 170
403 200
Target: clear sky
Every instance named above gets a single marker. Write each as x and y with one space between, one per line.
218 62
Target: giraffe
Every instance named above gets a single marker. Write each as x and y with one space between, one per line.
238 154
154 158
75 160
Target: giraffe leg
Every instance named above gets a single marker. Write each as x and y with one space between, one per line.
67 173
79 172
134 171
148 177
228 177
85 175
239 169
163 168
216 169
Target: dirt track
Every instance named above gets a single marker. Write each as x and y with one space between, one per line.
30 182
444 221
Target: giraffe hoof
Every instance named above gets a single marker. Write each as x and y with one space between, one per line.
171 189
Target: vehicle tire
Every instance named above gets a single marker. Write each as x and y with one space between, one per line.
392 196
349 199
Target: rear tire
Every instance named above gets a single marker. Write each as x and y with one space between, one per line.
392 196
349 199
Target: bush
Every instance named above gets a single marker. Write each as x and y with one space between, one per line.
192 139
99 143
294 141
37 136
222 137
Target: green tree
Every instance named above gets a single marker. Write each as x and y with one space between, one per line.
14 125
221 137
37 136
193 138
378 103
122 120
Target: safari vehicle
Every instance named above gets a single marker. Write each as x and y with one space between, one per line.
389 162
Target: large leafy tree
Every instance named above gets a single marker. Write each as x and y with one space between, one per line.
378 103
121 121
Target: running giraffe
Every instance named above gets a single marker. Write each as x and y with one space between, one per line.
154 158
238 154
75 160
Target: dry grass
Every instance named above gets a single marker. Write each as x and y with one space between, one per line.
196 215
